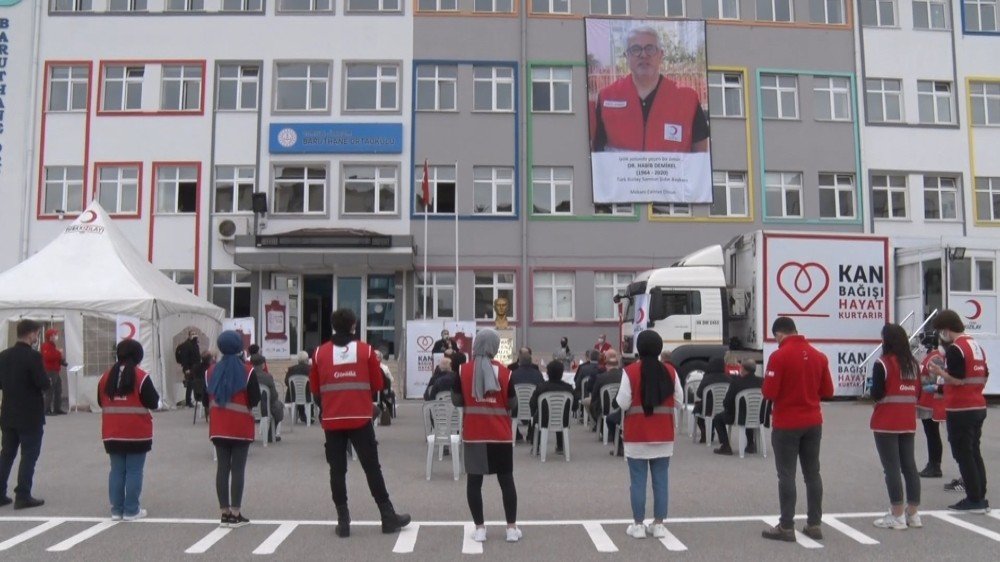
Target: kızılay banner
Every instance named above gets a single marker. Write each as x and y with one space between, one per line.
421 335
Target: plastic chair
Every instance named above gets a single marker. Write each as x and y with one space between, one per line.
690 390
199 407
749 402
440 414
608 394
711 404
523 392
555 404
299 385
584 411
264 422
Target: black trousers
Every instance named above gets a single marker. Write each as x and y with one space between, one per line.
29 441
720 426
474 495
364 443
965 430
801 446
932 432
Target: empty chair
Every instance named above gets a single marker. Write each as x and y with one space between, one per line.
523 392
553 406
711 404
608 394
438 418
748 406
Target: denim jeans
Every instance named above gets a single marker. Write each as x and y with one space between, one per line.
660 469
29 441
125 482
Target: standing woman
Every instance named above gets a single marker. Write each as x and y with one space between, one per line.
126 395
648 394
930 408
896 389
485 393
564 354
233 391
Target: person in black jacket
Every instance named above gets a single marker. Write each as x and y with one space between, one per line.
188 356
745 381
526 373
22 414
300 369
714 374
587 372
540 415
442 380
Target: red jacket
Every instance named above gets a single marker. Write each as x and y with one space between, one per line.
896 412
969 394
345 378
797 377
669 128
52 358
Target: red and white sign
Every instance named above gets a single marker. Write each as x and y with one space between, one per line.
127 327
420 338
274 314
978 312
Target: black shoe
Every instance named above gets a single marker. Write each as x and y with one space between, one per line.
955 485
226 520
723 451
814 532
560 451
750 450
237 521
343 528
28 502
777 533
931 471
702 440
969 506
391 521
59 413
4 500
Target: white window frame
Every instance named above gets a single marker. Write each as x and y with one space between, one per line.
182 277
883 93
435 75
67 6
496 287
880 14
191 77
167 182
940 191
983 97
556 284
381 180
119 179
497 180
842 186
547 177
437 178
977 8
309 80
188 5
941 101
772 7
381 9
725 83
884 182
609 7
833 93
783 184
307 182
69 181
663 8
383 79
552 78
834 12
499 77
314 6
247 79
987 188
779 90
734 186
494 6
605 290
670 209
565 6
437 6
927 7
76 77
442 283
614 209
721 9
235 180
245 6
132 77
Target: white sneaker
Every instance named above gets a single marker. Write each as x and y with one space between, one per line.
914 521
142 513
890 521
636 531
116 516
658 530
479 535
514 534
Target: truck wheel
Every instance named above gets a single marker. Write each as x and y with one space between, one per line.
694 366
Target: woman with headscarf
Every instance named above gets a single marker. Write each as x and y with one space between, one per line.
483 389
126 395
564 355
647 396
233 391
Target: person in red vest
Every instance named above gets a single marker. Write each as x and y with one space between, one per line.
126 395
646 111
647 396
930 407
603 347
896 389
484 392
53 361
233 391
964 375
346 375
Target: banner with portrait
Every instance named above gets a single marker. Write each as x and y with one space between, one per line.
647 87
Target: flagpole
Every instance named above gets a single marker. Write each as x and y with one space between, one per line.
458 298
423 294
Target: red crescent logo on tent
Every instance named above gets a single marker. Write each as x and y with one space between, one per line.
130 329
978 307
88 217
641 317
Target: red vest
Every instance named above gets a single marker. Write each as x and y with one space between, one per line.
124 418
486 420
232 421
969 394
896 412
655 428
668 128
345 385
734 370
932 402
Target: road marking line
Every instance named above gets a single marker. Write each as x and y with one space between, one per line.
994 514
29 534
600 537
470 546
848 530
407 539
208 541
799 537
672 543
966 525
277 537
82 536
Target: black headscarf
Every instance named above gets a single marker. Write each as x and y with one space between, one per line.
655 381
121 381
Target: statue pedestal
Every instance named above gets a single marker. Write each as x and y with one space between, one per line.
508 351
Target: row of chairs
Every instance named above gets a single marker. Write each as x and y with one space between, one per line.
750 405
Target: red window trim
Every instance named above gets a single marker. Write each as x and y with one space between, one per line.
40 188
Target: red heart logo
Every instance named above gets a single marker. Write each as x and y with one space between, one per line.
803 283
425 343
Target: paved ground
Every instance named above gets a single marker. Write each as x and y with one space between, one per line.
569 510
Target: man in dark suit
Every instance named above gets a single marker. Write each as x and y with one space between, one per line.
714 374
540 415
588 372
745 381
22 413
526 373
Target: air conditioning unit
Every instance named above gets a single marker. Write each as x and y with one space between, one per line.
227 230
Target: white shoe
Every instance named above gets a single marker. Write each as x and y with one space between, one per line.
914 521
636 531
116 516
890 521
658 530
479 535
142 513
514 534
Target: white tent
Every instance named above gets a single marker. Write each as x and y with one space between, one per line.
93 282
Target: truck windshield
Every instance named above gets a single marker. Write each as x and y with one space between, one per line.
629 311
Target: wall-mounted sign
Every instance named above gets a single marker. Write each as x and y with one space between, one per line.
336 138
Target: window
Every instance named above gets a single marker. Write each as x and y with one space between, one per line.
721 9
370 189
441 181
242 5
826 11
118 189
774 10
437 298
305 5
380 302
491 286
985 103
184 278
988 199
666 8
72 5
234 187
554 296
725 94
493 190
122 88
729 194
437 5
981 15
552 190
184 5
238 87
878 13
496 6
176 189
885 100
127 6
930 14
679 303
783 194
889 194
609 7
300 189
670 209
614 209
373 5
181 88
436 88
832 97
68 87
63 190
962 280
302 86
551 89
606 286
940 198
493 88
780 94
231 291
836 196
372 87
550 6
934 102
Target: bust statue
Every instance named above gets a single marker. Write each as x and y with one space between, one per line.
500 309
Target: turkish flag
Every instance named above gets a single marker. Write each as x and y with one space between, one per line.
425 188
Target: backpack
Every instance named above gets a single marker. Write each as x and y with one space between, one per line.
179 354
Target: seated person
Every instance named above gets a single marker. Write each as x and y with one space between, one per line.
387 397
299 369
526 373
442 380
613 375
714 374
273 408
586 373
745 381
555 370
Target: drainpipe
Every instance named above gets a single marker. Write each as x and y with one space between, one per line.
29 154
